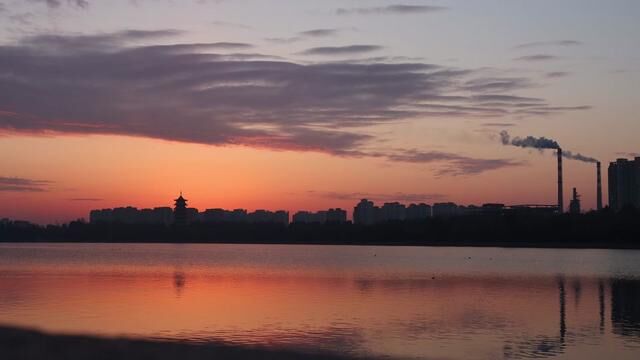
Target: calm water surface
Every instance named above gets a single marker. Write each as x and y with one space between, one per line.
404 302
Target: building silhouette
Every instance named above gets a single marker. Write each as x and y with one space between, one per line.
624 183
445 210
333 216
180 212
364 213
393 211
574 205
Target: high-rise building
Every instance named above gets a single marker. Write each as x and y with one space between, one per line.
393 211
364 213
624 183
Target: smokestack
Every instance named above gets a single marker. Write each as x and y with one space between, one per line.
599 188
560 196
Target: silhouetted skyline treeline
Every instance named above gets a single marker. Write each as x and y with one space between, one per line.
602 229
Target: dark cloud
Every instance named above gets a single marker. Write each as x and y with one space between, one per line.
111 84
341 50
548 43
398 196
15 184
319 32
556 74
391 9
57 3
537 57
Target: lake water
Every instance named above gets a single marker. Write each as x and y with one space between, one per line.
402 302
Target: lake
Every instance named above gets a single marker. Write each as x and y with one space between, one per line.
400 302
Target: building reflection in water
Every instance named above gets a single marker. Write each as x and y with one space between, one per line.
179 281
601 301
625 320
625 307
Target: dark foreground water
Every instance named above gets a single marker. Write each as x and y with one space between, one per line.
404 302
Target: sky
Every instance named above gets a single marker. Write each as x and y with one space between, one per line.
307 105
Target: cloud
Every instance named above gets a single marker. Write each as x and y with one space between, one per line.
111 84
320 32
393 197
15 184
628 154
86 199
499 124
453 164
313 33
83 4
537 44
537 57
556 74
397 9
341 50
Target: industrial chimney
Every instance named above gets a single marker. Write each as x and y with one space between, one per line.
560 196
599 189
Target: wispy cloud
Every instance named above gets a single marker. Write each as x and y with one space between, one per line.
342 50
15 184
398 9
536 57
557 74
453 164
57 3
628 154
499 124
537 44
307 34
320 32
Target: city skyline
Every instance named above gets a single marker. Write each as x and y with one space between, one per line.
312 107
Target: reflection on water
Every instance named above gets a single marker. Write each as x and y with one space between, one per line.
461 303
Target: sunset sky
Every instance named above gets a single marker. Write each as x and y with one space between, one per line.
306 105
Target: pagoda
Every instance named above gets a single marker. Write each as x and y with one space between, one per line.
180 211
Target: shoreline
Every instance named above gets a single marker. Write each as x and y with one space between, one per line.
28 344
499 245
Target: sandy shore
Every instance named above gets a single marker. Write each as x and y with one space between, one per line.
24 344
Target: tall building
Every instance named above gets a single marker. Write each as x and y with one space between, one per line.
180 214
393 211
364 213
624 183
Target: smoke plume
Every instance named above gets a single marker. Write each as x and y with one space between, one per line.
528 142
541 143
578 156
